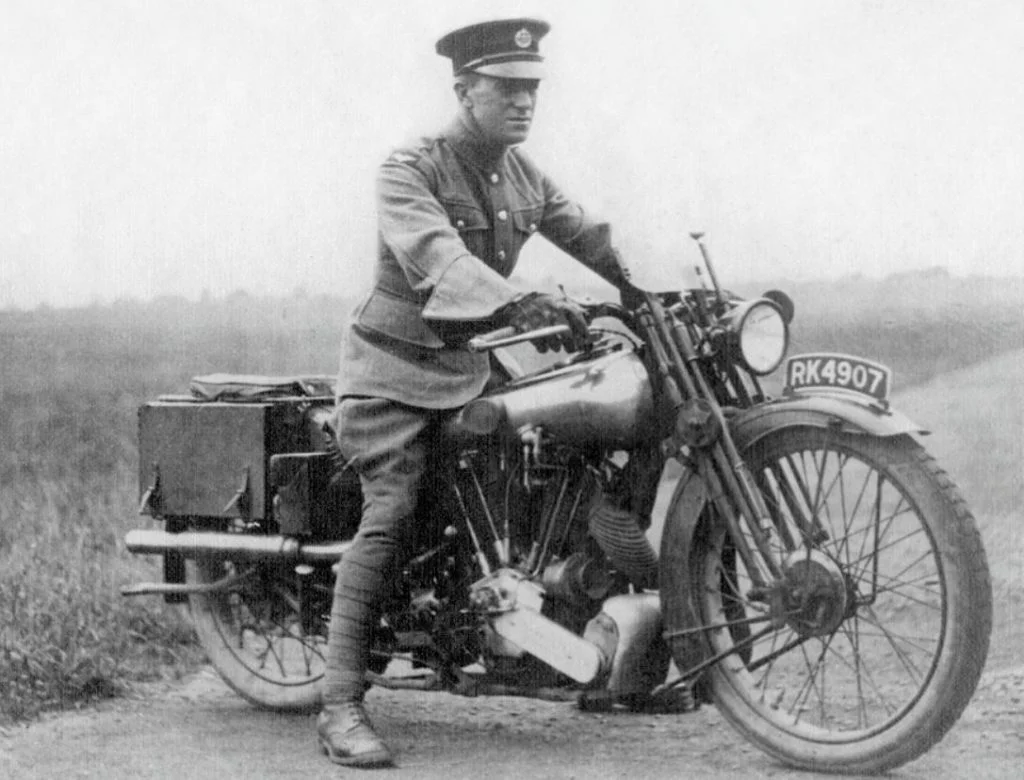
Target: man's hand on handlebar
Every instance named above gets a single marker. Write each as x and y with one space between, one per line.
540 310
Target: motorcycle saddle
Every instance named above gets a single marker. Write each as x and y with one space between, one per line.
255 388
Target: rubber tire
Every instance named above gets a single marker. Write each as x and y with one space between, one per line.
211 619
967 627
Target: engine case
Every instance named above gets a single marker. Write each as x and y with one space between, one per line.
631 623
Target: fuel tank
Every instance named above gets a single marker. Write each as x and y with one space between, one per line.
604 399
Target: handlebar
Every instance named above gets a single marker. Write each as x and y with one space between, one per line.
504 337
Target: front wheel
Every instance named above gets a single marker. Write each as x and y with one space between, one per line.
868 645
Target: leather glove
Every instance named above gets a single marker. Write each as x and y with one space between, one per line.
540 310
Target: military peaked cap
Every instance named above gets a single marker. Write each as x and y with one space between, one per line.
506 48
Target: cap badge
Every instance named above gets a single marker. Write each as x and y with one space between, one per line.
523 39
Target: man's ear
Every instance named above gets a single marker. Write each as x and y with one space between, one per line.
462 93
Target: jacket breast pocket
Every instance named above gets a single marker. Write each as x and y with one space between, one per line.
527 222
472 224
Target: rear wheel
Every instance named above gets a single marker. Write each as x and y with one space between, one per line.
255 635
869 646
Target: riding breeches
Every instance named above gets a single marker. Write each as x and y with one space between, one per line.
389 445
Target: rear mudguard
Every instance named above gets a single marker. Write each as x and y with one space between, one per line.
683 526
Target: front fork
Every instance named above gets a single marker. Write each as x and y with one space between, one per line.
729 483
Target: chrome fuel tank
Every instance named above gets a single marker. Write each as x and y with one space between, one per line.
604 400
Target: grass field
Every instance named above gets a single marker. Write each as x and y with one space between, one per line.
71 381
977 423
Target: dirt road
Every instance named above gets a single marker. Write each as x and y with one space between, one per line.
201 730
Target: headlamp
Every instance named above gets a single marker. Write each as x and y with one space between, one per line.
758 334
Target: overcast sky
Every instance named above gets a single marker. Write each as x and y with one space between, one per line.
178 146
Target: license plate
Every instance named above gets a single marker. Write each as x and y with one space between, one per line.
846 373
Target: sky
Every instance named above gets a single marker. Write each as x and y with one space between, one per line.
184 147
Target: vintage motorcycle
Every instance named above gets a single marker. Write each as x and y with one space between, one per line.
820 580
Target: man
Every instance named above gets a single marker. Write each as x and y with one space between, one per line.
454 211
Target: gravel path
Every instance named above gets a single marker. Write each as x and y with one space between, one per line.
201 730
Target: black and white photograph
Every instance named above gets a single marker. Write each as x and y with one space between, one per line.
315 461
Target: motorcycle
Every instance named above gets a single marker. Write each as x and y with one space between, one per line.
820 579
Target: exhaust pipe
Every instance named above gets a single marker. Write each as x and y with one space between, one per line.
242 547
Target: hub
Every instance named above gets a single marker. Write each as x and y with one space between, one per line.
815 595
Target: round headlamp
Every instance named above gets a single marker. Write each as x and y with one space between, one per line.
759 334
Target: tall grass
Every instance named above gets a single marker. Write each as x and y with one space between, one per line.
66 636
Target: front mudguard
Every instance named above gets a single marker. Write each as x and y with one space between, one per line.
685 528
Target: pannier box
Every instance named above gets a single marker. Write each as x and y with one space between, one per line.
208 458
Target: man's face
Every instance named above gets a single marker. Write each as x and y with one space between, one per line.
503 108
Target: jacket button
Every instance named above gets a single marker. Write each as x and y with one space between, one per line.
503 215
495 178
460 224
533 226
501 254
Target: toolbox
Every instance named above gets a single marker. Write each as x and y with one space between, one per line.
213 458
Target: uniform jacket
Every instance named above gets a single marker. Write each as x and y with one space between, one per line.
453 216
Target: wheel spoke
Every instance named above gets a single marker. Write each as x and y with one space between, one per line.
913 599
853 637
867 559
849 534
262 625
863 673
892 637
763 682
810 683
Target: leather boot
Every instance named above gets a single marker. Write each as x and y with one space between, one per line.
347 737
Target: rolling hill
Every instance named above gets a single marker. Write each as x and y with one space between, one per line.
977 422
